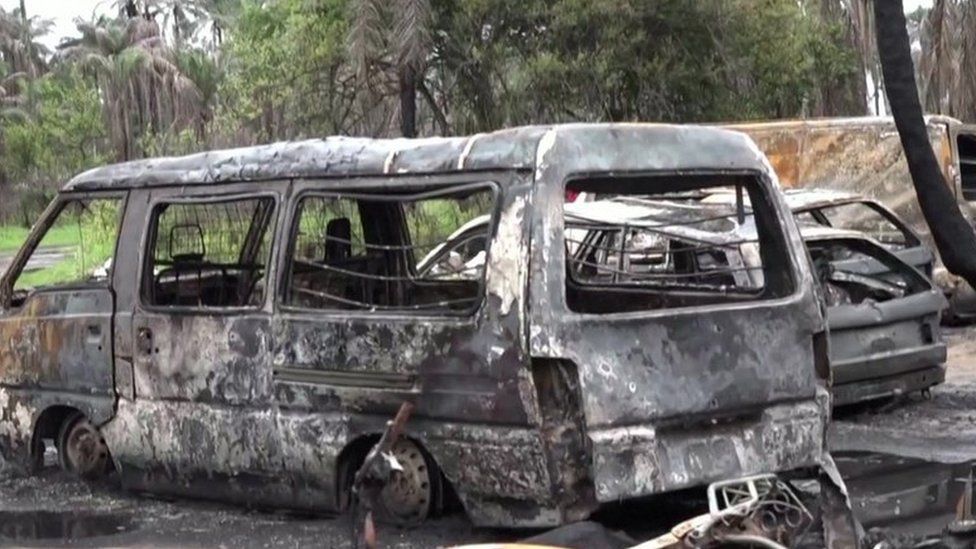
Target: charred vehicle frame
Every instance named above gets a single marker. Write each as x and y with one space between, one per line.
261 316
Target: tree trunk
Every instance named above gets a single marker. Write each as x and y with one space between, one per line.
408 102
953 235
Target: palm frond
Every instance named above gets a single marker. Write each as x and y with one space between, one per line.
411 33
365 41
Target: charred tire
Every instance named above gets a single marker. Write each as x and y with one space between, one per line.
414 494
81 449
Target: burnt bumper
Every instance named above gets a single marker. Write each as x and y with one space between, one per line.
892 385
641 460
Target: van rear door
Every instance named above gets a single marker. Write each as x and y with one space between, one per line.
688 372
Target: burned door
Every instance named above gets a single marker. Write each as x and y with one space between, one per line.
56 316
374 314
200 334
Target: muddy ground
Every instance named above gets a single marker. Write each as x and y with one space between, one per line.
897 496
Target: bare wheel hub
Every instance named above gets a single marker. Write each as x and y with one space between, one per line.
407 497
84 451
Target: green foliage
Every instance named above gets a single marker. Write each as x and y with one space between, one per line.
288 69
11 237
64 135
283 68
672 60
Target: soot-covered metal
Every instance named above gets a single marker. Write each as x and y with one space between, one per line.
533 412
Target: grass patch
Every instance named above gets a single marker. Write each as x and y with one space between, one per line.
75 266
13 237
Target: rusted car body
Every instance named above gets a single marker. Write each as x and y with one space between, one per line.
883 316
864 156
853 212
263 318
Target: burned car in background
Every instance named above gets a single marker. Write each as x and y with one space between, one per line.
854 212
264 315
865 156
883 319
883 316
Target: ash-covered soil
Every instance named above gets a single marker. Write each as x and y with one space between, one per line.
54 510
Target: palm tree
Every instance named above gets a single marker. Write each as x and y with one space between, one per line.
411 46
947 50
12 101
144 90
18 41
186 18
390 42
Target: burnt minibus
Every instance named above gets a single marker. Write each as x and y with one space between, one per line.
241 324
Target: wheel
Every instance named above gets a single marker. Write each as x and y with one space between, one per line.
411 495
37 449
81 448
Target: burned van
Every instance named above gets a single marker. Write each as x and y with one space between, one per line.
241 324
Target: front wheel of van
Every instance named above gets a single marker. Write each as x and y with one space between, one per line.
411 495
81 449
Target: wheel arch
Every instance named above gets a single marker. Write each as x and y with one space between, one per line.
353 454
53 413
47 425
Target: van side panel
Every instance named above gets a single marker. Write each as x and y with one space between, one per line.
343 374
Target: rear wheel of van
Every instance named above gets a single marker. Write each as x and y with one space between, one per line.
413 494
81 449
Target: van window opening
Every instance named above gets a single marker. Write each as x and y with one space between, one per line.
370 252
645 243
210 254
967 165
77 248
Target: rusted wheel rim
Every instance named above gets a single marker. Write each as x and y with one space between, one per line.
85 450
408 495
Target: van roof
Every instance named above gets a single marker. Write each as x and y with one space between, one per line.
851 122
581 147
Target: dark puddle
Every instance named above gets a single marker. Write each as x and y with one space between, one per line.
45 525
908 496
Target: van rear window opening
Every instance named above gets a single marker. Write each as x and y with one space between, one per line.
654 242
424 253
